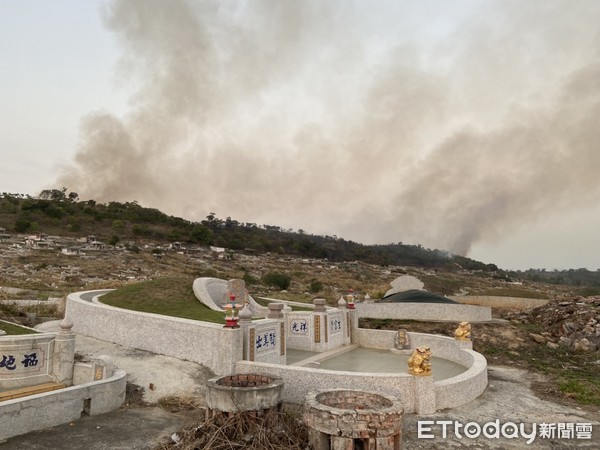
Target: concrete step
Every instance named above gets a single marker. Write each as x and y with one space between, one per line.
29 390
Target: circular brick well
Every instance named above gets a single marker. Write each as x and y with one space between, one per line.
343 418
243 392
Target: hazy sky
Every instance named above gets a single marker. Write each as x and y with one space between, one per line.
469 125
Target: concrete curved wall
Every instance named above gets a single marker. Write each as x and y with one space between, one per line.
209 344
221 350
211 291
421 395
36 412
425 311
298 381
472 383
40 344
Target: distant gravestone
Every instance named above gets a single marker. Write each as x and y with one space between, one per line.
236 287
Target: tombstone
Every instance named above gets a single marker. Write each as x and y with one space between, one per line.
236 287
401 341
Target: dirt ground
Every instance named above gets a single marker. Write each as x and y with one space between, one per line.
509 398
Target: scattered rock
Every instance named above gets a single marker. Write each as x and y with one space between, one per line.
175 437
552 345
582 345
574 324
538 338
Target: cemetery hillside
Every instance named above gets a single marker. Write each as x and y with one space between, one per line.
541 336
59 212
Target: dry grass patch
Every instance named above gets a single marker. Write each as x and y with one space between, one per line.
175 404
272 431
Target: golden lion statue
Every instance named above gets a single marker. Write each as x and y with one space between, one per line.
418 363
463 332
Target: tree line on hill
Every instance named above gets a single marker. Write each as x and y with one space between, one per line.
56 211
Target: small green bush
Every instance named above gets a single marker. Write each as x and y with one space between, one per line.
277 279
315 286
249 279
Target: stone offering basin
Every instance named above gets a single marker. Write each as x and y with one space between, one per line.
244 392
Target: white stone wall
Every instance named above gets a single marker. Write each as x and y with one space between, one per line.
499 302
382 339
265 342
299 381
337 328
317 332
442 346
36 412
446 312
26 360
470 384
301 330
420 395
209 344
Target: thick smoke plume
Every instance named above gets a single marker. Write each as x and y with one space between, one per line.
378 122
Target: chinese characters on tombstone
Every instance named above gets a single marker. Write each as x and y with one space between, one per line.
10 362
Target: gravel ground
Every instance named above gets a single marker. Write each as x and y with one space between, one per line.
508 398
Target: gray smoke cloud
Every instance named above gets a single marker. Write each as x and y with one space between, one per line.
377 122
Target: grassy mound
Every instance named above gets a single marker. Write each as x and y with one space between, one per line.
172 296
14 329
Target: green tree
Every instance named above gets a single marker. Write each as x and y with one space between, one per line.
74 224
53 194
201 234
140 230
22 225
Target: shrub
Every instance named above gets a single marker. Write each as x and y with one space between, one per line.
249 279
22 225
315 286
277 279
